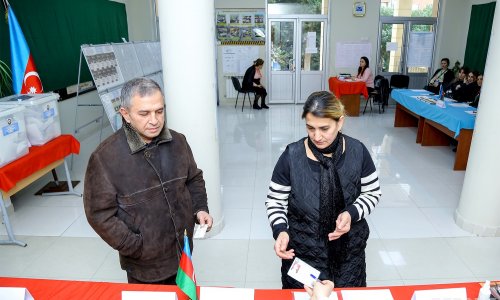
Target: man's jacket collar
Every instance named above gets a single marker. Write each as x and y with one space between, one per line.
135 141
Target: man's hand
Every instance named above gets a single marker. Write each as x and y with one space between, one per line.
280 246
320 290
343 225
204 218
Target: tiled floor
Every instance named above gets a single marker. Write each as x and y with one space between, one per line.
413 236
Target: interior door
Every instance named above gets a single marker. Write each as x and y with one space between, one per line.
311 74
282 67
406 47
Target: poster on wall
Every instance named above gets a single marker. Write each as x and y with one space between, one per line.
245 26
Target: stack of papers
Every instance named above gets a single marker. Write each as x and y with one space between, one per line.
384 294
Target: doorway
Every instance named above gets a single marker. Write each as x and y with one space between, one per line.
406 47
296 52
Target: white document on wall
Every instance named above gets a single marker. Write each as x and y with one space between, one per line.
143 295
15 293
420 49
214 293
237 59
348 53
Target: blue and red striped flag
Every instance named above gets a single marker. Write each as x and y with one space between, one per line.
185 279
25 78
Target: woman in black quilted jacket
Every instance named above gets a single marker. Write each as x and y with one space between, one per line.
322 189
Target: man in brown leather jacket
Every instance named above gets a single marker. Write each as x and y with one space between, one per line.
143 188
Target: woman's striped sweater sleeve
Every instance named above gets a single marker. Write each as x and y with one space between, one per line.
277 196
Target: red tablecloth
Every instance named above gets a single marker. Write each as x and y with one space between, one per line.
44 289
38 158
340 87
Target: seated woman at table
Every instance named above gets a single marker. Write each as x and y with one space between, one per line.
459 81
468 92
442 76
480 84
365 74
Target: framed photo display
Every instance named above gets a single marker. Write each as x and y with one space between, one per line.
359 9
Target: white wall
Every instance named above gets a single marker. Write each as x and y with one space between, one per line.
347 28
453 29
140 19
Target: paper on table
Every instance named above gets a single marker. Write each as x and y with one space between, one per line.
214 293
384 294
449 294
471 112
459 104
15 293
142 295
305 296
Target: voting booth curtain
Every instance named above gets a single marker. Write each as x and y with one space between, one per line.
55 29
478 38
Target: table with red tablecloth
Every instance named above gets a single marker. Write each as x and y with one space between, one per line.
348 92
26 169
45 289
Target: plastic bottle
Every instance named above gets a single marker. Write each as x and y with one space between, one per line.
484 292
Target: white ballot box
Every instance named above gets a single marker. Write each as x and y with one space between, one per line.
13 136
41 115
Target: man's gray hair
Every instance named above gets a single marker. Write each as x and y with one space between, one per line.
141 86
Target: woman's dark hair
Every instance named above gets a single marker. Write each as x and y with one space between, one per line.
367 62
447 60
323 104
465 69
258 62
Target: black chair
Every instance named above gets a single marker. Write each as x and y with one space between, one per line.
399 81
237 87
379 95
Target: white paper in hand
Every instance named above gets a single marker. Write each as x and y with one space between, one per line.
199 231
302 272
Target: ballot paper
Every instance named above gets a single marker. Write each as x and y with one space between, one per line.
214 293
303 273
305 296
365 294
15 293
459 104
142 295
448 294
199 231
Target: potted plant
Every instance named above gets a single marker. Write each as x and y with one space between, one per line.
5 80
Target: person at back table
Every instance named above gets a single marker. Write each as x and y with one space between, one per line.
251 82
475 103
143 188
365 73
459 81
469 91
442 76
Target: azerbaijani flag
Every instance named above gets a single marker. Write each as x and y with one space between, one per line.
25 78
185 279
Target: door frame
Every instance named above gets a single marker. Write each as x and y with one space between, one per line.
407 22
298 19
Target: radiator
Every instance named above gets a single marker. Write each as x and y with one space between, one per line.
230 91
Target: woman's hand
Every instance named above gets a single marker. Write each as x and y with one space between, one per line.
320 290
280 246
343 225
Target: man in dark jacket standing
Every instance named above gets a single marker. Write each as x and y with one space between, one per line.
143 188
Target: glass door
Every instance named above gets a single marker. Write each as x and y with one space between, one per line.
282 61
406 47
297 58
